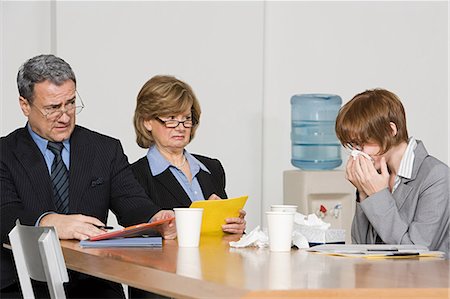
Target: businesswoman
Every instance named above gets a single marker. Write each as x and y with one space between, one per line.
402 191
166 118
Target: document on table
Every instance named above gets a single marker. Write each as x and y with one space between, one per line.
124 242
133 231
215 212
376 251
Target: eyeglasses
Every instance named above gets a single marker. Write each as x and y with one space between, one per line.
173 123
54 112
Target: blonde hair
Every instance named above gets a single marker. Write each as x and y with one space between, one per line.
367 117
161 96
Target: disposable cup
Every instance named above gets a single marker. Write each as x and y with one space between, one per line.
280 225
283 208
188 222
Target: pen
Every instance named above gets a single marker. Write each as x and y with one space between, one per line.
403 253
104 226
382 249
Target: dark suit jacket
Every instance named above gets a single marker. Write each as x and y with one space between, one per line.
164 189
100 179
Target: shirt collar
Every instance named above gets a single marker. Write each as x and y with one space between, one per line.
159 164
406 164
42 143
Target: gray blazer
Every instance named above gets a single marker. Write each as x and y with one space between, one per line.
416 213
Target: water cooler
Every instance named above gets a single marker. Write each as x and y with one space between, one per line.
316 187
326 193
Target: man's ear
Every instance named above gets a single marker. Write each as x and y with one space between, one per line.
148 125
25 106
393 128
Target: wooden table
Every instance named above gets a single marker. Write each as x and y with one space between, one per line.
216 270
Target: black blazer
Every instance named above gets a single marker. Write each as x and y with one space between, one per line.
100 179
164 189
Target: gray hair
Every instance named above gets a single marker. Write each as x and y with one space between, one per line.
42 68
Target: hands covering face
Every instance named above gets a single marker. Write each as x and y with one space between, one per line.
362 173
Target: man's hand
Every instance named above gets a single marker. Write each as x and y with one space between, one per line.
167 230
78 226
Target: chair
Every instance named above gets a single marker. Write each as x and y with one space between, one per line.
38 255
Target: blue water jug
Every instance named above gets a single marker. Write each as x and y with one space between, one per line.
314 142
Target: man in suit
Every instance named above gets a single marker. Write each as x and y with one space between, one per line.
56 173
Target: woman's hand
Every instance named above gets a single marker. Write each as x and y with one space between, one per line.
235 225
350 175
367 177
168 230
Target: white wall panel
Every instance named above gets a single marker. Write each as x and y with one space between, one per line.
25 32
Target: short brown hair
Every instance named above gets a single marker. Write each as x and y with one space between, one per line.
161 96
367 117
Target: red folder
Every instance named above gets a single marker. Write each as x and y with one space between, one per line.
132 231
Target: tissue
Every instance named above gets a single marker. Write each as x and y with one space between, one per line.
316 231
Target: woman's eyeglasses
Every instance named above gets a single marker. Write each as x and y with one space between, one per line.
173 123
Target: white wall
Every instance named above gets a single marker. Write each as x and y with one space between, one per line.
244 60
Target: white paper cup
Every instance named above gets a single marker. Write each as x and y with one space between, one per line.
283 208
280 225
188 222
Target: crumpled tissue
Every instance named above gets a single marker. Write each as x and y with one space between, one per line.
307 229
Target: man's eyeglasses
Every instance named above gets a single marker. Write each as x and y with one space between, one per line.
54 112
173 123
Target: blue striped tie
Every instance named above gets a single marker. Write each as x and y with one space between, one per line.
60 178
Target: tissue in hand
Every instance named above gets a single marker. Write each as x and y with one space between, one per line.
355 153
316 230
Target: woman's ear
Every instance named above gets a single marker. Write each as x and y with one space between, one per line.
148 125
393 128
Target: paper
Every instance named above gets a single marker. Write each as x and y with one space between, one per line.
124 242
254 238
316 231
132 231
216 211
377 251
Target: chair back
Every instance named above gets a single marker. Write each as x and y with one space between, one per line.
38 255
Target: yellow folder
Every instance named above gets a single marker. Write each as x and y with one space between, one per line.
216 211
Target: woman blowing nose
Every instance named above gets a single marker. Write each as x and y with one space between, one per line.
402 191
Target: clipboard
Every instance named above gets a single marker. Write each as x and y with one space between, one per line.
216 211
132 231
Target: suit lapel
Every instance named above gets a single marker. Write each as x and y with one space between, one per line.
34 164
81 161
168 180
205 180
402 192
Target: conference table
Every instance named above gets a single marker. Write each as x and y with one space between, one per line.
216 270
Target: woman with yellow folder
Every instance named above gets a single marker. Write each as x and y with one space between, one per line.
166 118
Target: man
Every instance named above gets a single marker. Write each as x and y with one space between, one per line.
56 173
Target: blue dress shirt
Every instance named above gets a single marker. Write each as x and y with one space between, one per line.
158 164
